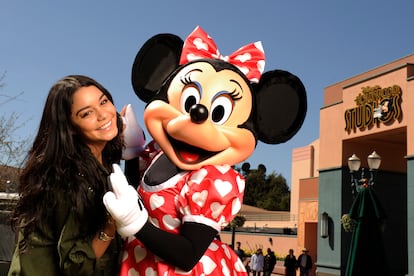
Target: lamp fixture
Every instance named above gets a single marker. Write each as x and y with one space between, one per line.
324 227
354 163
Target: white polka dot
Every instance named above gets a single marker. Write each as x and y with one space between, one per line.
208 265
227 251
213 246
243 58
225 270
239 266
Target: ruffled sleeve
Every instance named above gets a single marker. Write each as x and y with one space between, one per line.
212 196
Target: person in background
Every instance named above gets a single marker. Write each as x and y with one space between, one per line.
257 262
269 262
240 252
242 255
62 224
290 263
304 263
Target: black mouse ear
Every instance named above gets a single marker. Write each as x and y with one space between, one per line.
281 106
154 62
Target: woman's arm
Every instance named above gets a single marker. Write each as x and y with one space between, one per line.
103 239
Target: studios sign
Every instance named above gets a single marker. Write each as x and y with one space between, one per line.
374 105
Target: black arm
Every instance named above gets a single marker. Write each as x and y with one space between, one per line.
183 250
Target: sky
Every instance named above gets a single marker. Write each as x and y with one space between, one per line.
320 41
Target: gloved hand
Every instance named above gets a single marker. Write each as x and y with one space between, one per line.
124 204
133 135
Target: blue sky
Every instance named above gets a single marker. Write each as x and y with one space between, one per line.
321 41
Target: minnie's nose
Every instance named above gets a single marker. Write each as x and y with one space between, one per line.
198 113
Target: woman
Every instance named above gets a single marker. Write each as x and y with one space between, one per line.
63 226
257 262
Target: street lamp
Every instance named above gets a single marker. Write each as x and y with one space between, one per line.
374 162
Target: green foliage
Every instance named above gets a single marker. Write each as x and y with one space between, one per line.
238 221
269 192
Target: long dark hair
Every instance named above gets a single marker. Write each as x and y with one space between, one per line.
60 161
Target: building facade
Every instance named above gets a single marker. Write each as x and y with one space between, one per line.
365 113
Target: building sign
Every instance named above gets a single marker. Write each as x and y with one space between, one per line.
374 105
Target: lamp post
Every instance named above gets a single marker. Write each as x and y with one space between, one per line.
374 162
365 220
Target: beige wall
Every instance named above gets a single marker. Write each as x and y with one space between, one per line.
341 96
305 164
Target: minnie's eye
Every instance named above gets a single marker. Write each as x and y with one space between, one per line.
189 97
221 110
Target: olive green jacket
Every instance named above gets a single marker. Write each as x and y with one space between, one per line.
60 250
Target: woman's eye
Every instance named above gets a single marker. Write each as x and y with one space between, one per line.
86 114
189 97
221 110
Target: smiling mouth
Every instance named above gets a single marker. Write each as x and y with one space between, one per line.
189 154
105 126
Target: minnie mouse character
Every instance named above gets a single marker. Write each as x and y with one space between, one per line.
206 113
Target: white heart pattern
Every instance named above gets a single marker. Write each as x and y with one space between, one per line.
156 201
139 253
223 187
222 168
235 206
241 184
150 272
132 272
170 222
199 176
200 198
216 209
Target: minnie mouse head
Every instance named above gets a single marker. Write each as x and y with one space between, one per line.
207 109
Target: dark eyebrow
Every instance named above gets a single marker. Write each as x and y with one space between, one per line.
194 70
86 107
236 82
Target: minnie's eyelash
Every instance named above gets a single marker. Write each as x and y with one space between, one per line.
186 80
235 95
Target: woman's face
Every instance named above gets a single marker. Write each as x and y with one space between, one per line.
94 116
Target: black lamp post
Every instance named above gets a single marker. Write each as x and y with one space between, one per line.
374 162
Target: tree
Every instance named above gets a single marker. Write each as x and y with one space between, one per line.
238 221
269 192
12 148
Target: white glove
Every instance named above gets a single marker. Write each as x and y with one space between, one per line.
134 138
125 205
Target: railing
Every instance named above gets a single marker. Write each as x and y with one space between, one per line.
7 201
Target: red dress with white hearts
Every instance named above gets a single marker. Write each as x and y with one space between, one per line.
212 196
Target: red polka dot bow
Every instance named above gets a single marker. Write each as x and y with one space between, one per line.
250 59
